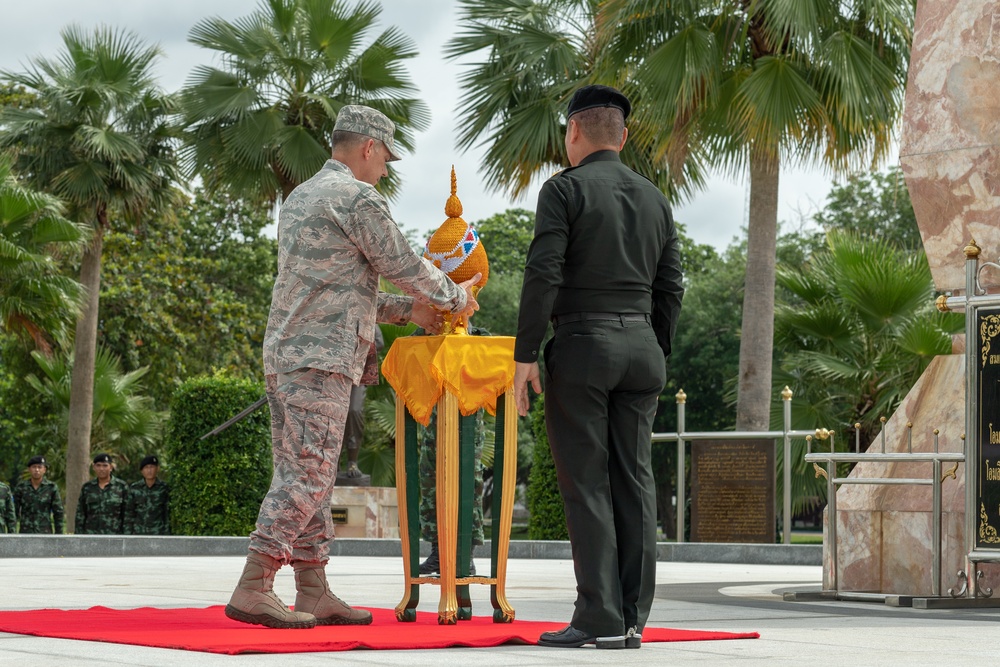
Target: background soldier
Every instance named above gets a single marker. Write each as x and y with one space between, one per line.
427 466
39 505
427 462
8 518
101 509
148 509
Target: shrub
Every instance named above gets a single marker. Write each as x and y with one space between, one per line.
217 484
547 515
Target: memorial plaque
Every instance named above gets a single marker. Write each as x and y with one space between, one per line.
732 491
339 514
987 423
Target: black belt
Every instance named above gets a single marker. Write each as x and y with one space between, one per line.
559 320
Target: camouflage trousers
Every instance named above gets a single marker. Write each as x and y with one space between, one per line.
427 465
308 412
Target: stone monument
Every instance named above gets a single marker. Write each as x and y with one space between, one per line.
950 155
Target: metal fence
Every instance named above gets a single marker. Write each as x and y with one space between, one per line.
682 437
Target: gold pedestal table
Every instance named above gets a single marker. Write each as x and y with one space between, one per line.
457 374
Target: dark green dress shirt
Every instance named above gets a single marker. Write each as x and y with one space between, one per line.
605 242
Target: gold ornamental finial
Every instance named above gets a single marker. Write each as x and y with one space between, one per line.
972 250
453 207
455 248
942 304
822 434
681 396
786 393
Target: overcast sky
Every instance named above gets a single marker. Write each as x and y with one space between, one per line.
714 216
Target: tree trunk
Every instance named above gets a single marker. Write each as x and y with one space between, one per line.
753 406
81 399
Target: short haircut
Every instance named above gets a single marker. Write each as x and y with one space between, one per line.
344 140
602 126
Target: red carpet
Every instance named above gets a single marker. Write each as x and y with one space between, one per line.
210 631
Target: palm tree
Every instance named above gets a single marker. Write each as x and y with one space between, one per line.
125 423
98 137
535 54
35 299
859 327
738 84
260 123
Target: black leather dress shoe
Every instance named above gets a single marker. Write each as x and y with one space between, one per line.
570 637
633 639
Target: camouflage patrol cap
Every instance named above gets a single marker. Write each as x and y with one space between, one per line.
369 122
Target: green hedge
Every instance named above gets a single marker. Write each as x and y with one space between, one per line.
217 484
547 515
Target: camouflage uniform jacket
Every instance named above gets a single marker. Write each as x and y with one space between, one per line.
335 238
102 511
8 519
41 509
148 509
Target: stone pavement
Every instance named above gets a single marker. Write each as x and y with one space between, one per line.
717 596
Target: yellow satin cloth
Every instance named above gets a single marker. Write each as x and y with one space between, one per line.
475 369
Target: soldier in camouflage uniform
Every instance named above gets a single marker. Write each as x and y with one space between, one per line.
8 518
427 463
101 508
148 510
39 505
427 468
335 239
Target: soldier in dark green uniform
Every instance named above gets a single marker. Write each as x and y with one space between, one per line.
8 518
604 267
39 505
148 508
101 509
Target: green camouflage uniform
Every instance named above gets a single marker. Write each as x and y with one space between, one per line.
8 519
39 509
102 511
427 463
335 238
148 509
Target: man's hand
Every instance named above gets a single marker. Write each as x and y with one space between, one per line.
427 317
523 374
471 305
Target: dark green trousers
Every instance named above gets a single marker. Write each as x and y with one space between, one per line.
602 383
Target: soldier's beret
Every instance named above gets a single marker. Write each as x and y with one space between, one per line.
151 460
589 97
38 460
102 458
369 122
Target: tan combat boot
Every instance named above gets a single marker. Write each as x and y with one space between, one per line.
314 596
254 601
